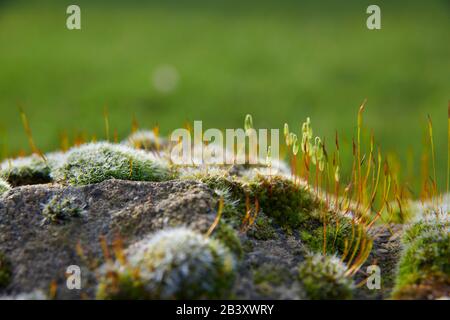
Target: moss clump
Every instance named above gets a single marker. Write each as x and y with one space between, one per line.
323 277
25 171
271 274
97 162
5 271
31 170
424 271
4 186
288 203
262 228
229 237
173 264
340 234
283 203
146 140
60 209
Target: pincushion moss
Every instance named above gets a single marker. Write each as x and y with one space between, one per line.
323 277
424 269
173 264
145 139
283 202
97 162
286 202
34 169
229 237
4 186
60 209
24 171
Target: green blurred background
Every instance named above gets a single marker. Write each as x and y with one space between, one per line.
168 62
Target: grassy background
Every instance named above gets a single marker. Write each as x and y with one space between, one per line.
278 60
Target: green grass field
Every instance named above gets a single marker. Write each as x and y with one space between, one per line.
279 61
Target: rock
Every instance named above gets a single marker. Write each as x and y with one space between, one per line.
40 251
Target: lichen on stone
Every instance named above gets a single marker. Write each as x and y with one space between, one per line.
97 162
324 277
172 264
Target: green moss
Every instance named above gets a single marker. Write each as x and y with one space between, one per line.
338 235
288 203
60 209
125 284
31 170
271 274
97 162
4 186
280 198
26 171
424 258
173 264
285 204
262 229
5 271
229 237
323 277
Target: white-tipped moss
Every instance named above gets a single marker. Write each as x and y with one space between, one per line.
146 140
324 277
27 170
423 270
97 162
173 264
4 186
59 209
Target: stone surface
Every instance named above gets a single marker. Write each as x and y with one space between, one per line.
40 252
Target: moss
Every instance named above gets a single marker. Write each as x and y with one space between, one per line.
262 229
338 235
423 264
26 171
280 198
31 170
433 287
146 140
4 186
283 203
60 209
271 274
5 271
229 237
283 200
97 162
323 277
173 264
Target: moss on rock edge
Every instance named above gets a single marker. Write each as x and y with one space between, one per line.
97 162
172 264
323 277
